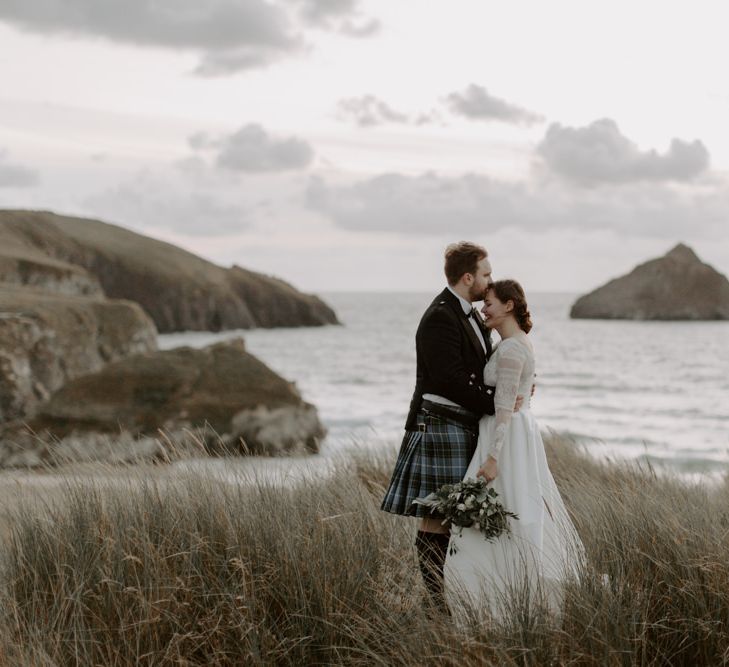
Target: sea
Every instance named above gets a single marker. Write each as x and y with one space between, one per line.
656 392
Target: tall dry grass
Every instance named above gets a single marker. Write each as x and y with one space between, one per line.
191 569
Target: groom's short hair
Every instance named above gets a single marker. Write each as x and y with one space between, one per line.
462 257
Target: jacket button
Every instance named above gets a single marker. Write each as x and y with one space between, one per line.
473 376
489 392
470 382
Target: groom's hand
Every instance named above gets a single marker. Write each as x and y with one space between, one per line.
519 403
488 470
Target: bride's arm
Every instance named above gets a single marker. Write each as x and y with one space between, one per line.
508 373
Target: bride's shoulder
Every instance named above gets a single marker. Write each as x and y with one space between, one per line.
516 345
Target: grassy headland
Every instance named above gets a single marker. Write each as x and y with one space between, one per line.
191 569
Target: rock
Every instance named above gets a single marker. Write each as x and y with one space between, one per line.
678 286
49 338
179 290
220 399
275 430
47 274
289 305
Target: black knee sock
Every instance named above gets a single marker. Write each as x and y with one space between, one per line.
431 548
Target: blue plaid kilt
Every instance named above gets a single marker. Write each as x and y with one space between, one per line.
437 454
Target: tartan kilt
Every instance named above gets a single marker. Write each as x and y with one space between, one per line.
428 458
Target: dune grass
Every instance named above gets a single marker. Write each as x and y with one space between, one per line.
197 569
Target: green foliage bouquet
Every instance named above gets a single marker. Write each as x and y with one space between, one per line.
470 503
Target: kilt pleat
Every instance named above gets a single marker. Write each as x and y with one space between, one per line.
437 455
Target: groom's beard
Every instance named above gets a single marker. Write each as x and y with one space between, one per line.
475 295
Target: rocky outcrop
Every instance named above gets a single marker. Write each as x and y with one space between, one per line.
220 398
47 339
47 274
678 286
179 290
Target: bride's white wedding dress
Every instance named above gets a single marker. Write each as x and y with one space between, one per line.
543 548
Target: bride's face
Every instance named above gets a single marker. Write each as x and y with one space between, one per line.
495 311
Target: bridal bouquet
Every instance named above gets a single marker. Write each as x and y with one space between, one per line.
470 503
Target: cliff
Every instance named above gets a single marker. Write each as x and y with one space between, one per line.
677 286
179 290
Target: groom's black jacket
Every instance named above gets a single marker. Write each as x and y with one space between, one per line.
450 359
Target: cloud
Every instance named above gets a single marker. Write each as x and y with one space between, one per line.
371 111
341 15
477 103
473 204
225 63
232 35
16 176
427 203
154 202
253 149
368 111
599 153
199 141
360 29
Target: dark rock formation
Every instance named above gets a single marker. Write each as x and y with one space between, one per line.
219 398
179 290
49 338
678 286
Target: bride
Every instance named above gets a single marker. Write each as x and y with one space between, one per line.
543 547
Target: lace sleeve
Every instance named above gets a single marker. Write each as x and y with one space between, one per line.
509 365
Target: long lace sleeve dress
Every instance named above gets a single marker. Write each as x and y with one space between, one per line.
543 548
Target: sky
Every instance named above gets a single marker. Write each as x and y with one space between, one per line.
342 144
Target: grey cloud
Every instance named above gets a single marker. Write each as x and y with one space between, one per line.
475 204
252 149
199 141
216 24
214 64
341 15
16 176
232 35
321 11
477 103
599 153
421 204
154 202
368 111
361 29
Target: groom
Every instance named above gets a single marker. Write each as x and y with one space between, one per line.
452 347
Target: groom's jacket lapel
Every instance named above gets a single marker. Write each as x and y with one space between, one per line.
465 323
449 359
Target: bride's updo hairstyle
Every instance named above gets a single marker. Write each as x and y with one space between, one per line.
510 290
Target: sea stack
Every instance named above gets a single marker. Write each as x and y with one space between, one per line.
677 286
